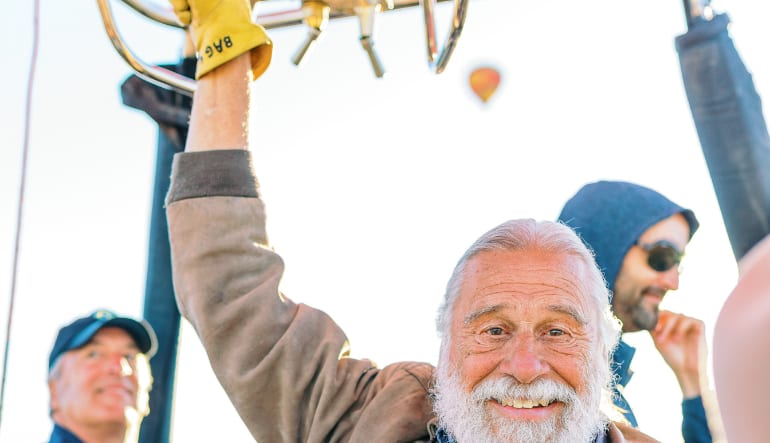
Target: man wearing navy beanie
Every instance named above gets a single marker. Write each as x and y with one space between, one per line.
638 237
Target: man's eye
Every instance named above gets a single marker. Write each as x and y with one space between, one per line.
555 332
495 331
93 354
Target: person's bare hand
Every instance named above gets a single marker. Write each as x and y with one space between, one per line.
681 340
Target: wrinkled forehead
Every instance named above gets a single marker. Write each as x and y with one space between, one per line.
543 275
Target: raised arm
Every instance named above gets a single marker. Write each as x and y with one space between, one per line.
283 365
741 344
226 276
220 108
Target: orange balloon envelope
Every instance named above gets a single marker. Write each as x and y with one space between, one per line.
484 82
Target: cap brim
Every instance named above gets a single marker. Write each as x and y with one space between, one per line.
142 333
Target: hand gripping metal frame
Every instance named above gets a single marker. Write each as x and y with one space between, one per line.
314 14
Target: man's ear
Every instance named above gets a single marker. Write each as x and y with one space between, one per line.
53 403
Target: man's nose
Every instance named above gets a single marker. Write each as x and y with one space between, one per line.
118 364
523 360
670 279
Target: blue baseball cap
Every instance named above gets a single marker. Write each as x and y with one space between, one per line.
78 333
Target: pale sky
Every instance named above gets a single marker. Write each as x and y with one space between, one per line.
374 187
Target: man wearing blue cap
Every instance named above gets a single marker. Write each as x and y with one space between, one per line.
99 378
638 237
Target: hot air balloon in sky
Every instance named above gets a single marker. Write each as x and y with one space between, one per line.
484 82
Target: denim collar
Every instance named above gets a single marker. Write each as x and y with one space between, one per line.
443 437
621 370
62 435
621 362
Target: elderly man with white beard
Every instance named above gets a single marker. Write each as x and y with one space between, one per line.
526 336
526 330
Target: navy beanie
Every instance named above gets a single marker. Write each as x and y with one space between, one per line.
610 216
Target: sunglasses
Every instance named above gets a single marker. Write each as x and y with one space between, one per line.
662 255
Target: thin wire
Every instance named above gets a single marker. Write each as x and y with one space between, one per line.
20 210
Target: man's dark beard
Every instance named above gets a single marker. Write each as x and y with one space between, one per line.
644 319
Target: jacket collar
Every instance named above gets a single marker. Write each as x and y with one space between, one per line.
621 362
62 435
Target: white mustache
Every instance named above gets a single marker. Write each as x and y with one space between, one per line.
542 391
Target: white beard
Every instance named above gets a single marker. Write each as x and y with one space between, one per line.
465 416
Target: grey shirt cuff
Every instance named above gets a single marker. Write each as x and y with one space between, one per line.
219 173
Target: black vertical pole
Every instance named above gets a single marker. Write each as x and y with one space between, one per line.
161 314
727 112
171 111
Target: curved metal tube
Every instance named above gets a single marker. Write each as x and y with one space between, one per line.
157 75
163 16
268 20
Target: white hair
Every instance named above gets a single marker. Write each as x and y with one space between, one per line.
547 236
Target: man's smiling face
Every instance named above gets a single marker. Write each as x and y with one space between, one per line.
97 383
524 361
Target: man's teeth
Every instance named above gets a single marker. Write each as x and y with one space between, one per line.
523 403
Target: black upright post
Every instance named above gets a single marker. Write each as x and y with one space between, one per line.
172 112
727 112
